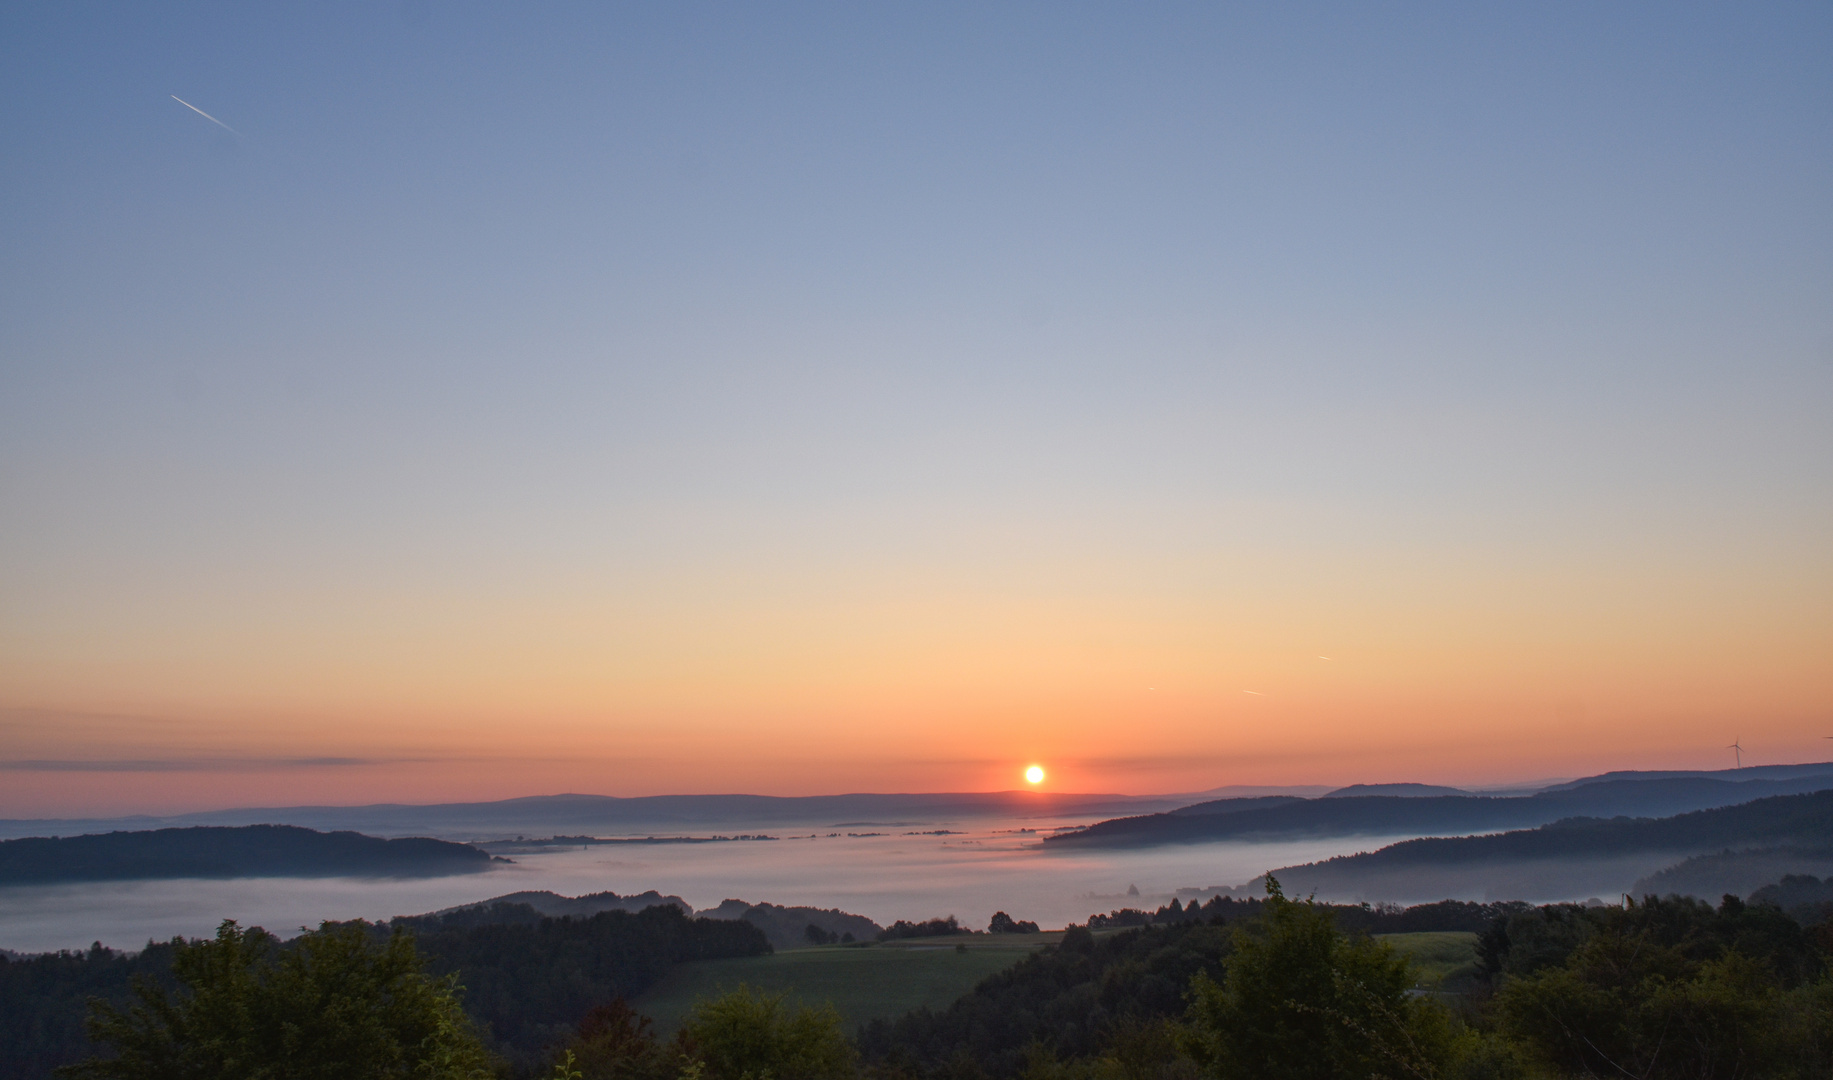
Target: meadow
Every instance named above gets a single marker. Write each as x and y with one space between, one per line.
1438 956
880 980
884 980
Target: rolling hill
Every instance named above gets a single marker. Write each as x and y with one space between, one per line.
1344 814
1565 860
216 852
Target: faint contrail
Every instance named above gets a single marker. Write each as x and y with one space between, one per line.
205 115
1256 693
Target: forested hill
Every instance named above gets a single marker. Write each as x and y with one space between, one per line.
1375 815
1803 822
229 852
528 978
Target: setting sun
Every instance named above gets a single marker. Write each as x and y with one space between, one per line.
1034 775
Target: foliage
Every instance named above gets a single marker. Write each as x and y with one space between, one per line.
1445 915
787 927
44 1001
615 1043
1136 1050
1658 988
1794 890
1303 1000
1218 909
746 1035
1006 924
1807 899
1524 942
530 981
932 928
1533 939
1669 988
1078 1001
335 1004
529 978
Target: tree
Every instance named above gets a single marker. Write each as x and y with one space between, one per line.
615 1042
333 1005
745 1035
1082 1000
817 936
1673 988
530 978
1624 1007
1303 1001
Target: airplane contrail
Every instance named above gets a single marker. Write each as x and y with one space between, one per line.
1256 693
205 115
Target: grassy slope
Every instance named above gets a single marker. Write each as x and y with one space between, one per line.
889 979
865 983
1437 955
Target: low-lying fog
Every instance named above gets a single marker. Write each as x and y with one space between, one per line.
887 877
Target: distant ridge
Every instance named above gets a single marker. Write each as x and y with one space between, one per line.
1404 791
787 927
1565 859
553 904
612 815
1231 806
224 852
1344 813
1739 872
609 815
1748 772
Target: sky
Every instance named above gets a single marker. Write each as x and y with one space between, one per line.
494 400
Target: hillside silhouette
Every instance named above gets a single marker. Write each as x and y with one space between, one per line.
1344 814
222 852
1570 857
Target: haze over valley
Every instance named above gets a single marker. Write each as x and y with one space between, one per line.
916 541
890 857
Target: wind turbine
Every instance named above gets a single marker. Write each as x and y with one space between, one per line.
1740 750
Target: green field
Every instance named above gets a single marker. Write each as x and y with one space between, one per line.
1438 956
886 979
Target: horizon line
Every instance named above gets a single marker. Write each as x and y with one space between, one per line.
1525 787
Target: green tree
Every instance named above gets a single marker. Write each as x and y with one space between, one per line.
333 1005
615 1042
1624 1005
746 1035
1303 1001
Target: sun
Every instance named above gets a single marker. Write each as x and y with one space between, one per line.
1034 775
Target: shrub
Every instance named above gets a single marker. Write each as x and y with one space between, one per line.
746 1035
335 1005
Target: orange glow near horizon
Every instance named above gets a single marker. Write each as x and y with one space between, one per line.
1121 659
622 401
1122 696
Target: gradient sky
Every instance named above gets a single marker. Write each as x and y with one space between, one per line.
797 398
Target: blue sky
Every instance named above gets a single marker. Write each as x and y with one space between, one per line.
1126 311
